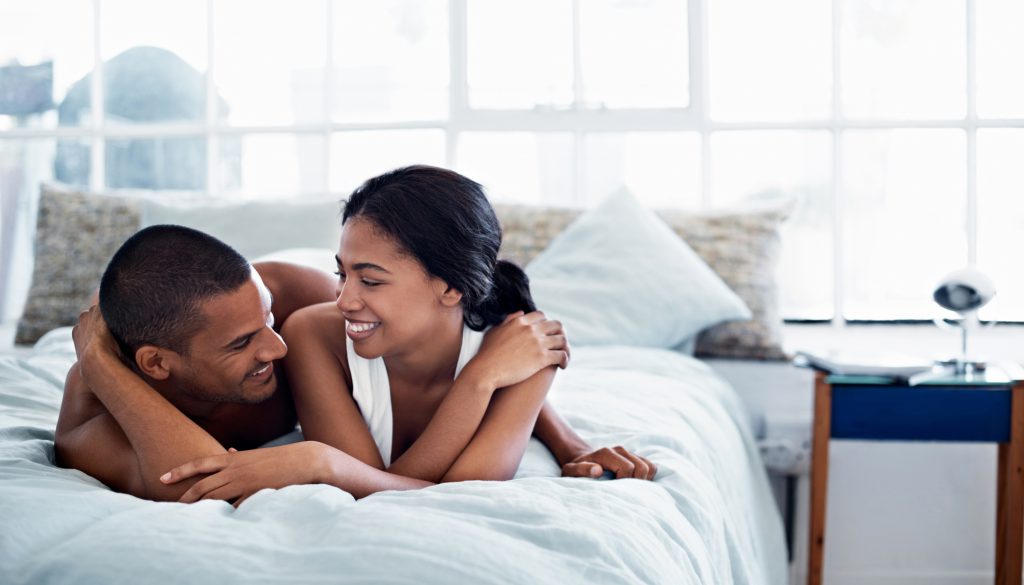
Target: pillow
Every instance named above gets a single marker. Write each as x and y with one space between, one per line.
619 275
254 228
741 246
78 232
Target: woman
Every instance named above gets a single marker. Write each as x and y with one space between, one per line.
398 374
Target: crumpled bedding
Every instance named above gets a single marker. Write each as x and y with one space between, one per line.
709 516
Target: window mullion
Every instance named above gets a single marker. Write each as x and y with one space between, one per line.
972 137
700 90
212 118
838 246
458 84
328 96
97 170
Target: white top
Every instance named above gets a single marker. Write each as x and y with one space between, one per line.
372 390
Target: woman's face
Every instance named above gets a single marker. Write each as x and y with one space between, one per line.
390 303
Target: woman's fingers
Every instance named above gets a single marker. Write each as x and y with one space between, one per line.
639 464
613 461
551 327
512 316
652 469
582 469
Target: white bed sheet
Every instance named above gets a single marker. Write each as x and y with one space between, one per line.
709 517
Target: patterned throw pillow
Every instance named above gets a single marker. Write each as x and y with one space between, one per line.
76 235
742 247
78 232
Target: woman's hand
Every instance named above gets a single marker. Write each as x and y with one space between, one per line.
237 475
520 347
618 460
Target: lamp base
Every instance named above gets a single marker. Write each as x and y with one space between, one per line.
960 366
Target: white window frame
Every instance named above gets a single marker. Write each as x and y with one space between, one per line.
578 119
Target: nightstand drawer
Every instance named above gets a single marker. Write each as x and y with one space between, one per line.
920 413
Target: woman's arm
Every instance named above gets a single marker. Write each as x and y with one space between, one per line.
512 352
579 459
497 447
316 366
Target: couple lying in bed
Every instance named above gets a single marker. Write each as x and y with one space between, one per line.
424 362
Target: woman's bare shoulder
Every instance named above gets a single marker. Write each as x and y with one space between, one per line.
322 323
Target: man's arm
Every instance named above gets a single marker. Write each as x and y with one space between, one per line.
88 439
238 475
139 436
293 287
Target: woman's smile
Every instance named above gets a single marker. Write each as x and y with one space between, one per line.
359 330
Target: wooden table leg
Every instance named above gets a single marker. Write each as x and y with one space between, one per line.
819 477
1010 497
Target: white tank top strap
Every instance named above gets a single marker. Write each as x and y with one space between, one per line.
371 388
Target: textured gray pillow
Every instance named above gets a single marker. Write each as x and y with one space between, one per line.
76 234
742 247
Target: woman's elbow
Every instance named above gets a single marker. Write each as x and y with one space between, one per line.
481 473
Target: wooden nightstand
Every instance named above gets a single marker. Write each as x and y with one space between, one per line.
985 407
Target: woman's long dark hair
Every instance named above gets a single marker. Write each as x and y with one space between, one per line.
445 221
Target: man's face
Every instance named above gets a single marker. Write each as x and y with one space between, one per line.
231 358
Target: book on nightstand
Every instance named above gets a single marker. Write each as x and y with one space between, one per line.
849 364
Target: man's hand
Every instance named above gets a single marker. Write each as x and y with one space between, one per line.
616 459
92 337
237 475
519 348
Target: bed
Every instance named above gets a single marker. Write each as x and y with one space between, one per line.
709 517
630 294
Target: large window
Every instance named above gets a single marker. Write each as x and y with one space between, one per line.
896 126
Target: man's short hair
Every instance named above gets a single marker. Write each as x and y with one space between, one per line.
152 289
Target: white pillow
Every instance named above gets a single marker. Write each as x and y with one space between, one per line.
618 275
254 227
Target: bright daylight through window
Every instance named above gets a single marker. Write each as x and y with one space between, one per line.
896 126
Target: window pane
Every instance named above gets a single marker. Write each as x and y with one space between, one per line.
903 59
390 60
358 156
24 164
272 165
770 60
904 219
519 53
279 82
154 58
32 36
661 168
651 33
1001 219
770 166
176 163
519 167
999 47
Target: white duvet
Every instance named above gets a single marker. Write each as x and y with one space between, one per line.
708 517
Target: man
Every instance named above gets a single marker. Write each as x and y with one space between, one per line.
180 363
